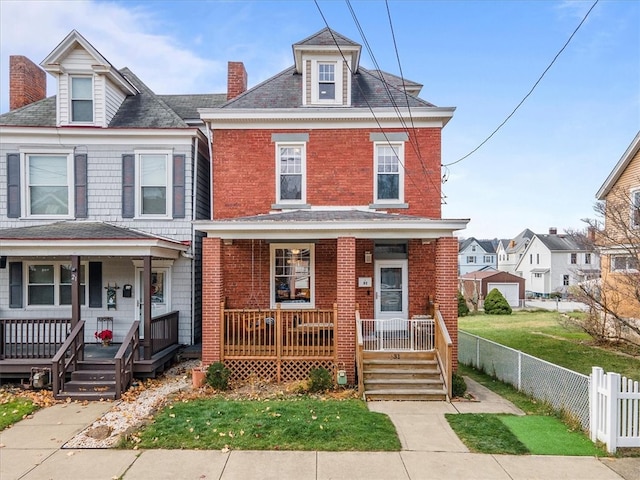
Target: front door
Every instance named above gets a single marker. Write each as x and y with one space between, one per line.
391 289
159 294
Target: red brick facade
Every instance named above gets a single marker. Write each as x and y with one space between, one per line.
447 287
339 165
27 82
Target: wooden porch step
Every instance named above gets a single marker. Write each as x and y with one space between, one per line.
424 394
395 364
412 383
87 396
94 375
408 373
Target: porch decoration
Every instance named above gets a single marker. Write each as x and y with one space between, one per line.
111 295
105 336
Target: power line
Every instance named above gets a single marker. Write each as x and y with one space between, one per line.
529 93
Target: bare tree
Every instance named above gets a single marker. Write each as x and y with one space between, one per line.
613 299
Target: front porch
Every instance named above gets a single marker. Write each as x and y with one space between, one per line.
53 348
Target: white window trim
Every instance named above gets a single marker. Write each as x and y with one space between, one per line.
303 186
633 207
56 284
169 185
93 100
312 275
626 269
315 80
25 191
401 173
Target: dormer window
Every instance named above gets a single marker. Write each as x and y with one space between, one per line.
82 99
326 81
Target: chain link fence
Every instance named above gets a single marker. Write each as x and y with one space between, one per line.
564 389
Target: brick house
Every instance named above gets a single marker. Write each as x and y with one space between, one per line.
104 178
326 236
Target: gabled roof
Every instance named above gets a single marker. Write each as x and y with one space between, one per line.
327 40
489 246
559 243
485 273
620 167
52 63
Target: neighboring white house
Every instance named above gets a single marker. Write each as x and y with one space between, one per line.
553 262
474 255
509 252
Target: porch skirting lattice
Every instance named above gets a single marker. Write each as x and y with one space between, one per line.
272 370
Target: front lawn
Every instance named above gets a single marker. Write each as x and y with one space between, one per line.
543 334
301 423
14 409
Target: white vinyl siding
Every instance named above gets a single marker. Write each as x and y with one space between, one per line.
113 99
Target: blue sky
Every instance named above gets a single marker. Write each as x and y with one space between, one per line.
540 170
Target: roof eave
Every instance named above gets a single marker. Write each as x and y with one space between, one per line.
93 247
620 167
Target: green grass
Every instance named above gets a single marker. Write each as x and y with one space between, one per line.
549 436
15 410
297 424
544 335
485 433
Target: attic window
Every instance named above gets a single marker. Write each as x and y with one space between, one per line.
81 99
326 81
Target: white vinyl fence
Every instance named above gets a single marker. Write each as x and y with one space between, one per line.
615 410
605 406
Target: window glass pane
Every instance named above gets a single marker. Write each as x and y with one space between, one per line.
388 187
49 200
388 173
40 294
41 274
292 275
326 72
391 289
290 173
41 289
290 187
327 91
81 88
157 287
154 200
47 170
154 170
82 110
65 295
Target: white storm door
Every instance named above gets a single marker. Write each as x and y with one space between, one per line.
391 290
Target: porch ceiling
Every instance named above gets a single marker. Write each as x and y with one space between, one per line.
86 239
328 224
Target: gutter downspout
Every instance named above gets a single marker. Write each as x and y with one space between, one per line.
194 193
209 138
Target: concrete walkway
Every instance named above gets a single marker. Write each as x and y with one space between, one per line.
31 450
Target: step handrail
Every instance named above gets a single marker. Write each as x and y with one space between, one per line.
359 354
444 350
127 354
67 357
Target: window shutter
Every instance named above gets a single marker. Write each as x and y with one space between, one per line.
179 186
15 284
95 284
128 186
80 166
13 185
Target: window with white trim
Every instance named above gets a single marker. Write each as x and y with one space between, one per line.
635 209
326 81
389 168
471 259
82 99
50 284
154 184
621 263
565 280
291 184
49 181
292 275
587 258
573 258
488 259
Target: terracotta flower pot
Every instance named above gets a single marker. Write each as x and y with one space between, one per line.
198 377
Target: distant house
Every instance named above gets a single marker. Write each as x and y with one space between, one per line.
476 285
509 252
476 255
619 244
553 262
99 185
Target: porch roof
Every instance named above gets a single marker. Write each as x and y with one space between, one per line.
86 238
322 224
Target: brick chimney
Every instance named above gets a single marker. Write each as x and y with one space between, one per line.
553 231
236 79
27 82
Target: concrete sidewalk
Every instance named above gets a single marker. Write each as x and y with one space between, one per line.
31 450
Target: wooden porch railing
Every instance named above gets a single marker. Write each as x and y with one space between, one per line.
67 357
444 349
32 338
278 333
127 354
164 331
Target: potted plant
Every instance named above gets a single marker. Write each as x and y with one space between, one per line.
105 336
198 376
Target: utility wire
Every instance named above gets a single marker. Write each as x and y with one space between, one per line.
530 91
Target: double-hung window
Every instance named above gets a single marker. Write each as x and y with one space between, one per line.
635 209
154 184
50 284
326 81
49 180
291 179
82 99
389 167
292 275
573 258
620 263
